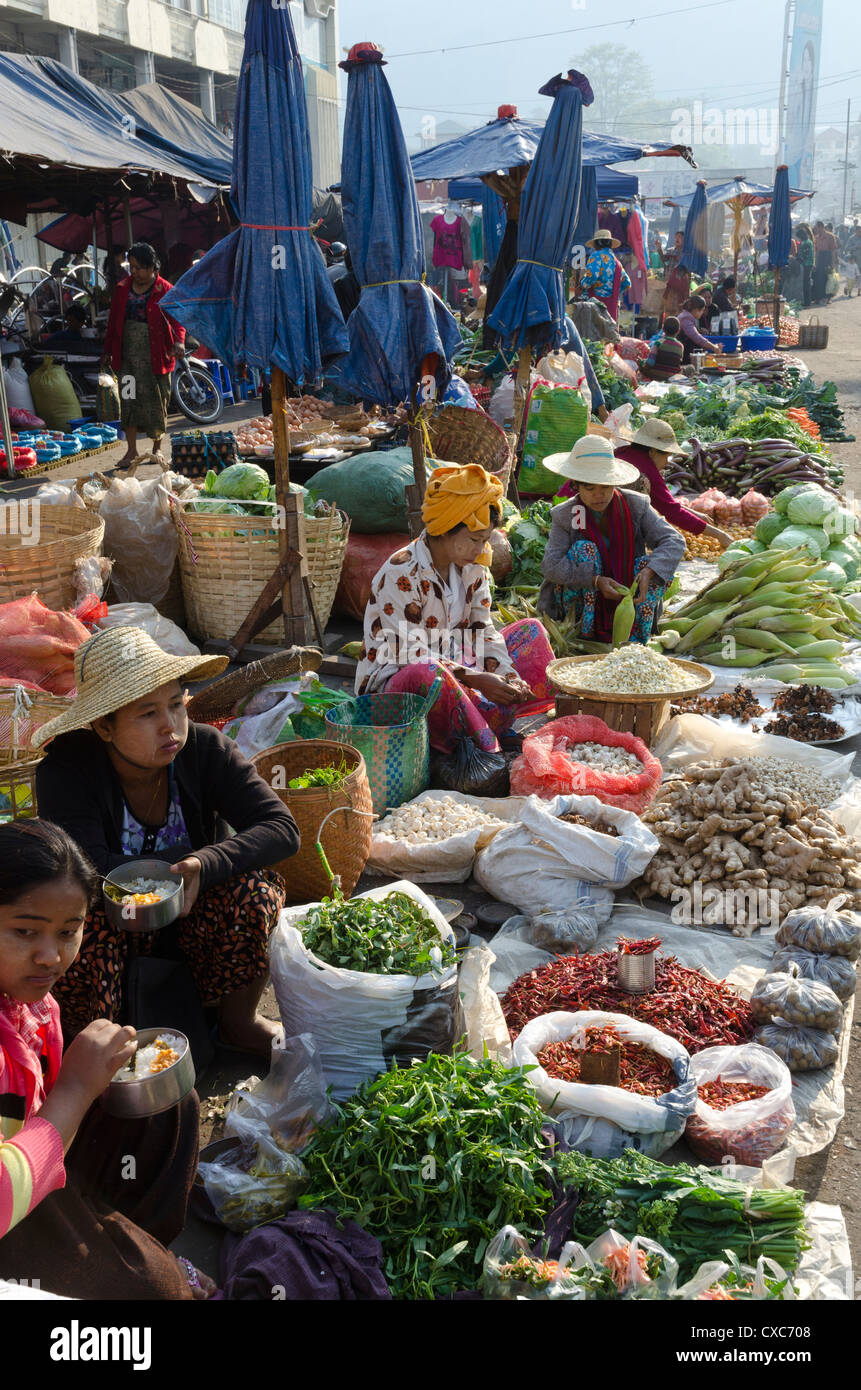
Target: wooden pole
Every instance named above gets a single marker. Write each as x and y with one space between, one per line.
127 212
776 313
291 537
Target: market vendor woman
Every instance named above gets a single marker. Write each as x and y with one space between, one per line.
129 777
604 539
429 615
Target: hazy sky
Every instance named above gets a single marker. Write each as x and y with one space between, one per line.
726 51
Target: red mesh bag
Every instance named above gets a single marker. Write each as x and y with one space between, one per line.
38 645
547 766
365 556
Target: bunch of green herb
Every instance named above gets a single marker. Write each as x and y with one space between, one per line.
771 424
379 936
696 1214
432 1160
321 777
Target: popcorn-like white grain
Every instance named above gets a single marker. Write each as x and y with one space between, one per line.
629 670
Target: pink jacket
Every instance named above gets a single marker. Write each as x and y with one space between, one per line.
31 1150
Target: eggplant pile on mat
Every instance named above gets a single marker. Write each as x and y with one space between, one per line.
763 464
696 1214
782 621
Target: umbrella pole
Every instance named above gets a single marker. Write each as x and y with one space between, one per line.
290 536
6 427
415 493
127 212
776 314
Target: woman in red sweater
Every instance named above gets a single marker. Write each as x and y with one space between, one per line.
142 345
650 451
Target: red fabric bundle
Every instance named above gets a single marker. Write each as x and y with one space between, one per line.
546 767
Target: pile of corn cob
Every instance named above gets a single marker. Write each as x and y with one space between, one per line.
767 611
564 634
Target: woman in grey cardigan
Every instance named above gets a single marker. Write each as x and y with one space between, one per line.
602 540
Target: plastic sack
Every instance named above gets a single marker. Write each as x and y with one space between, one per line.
543 863
565 933
486 1030
363 559
108 397
605 1120
831 930
547 765
440 861
566 369
802 1049
140 537
261 1177
165 633
556 416
18 394
835 971
622 369
795 1000
25 420
38 645
634 350
363 1023
280 711
753 1130
472 770
54 395
59 494
501 406
89 577
640 1268
369 487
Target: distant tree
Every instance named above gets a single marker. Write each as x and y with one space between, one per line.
621 81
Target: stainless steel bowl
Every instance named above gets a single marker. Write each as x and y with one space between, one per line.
147 918
150 1095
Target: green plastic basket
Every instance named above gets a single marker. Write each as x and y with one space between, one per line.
391 733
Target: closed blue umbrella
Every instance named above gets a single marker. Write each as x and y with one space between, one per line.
779 233
531 309
675 223
262 295
587 213
398 321
493 219
695 256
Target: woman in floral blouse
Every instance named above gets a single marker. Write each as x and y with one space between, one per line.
429 615
604 277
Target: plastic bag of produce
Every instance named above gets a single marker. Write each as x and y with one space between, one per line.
548 765
556 416
720 1280
54 395
362 1022
543 863
18 395
754 506
832 930
835 971
640 1268
472 770
749 1131
512 1272
167 634
802 1049
364 558
728 512
565 933
369 487
141 537
604 1120
788 996
449 858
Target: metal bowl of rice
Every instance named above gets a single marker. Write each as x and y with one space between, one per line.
142 879
143 1091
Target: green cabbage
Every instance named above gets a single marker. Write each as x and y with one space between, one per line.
782 499
841 555
833 575
839 523
769 526
812 507
209 504
815 540
241 481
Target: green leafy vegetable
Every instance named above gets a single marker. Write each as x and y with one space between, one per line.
388 936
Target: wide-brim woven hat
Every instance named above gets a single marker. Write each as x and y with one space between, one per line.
592 460
604 241
115 667
657 434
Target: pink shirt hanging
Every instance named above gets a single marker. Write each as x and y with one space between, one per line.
448 242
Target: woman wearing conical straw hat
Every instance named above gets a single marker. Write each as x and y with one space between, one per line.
129 777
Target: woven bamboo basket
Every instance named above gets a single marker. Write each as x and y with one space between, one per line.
813 334
219 700
18 790
66 535
643 715
460 435
226 560
22 712
345 836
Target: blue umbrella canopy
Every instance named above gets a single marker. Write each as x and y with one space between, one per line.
262 295
398 321
675 223
587 213
531 309
779 220
694 255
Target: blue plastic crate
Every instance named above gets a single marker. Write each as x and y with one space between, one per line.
758 339
728 341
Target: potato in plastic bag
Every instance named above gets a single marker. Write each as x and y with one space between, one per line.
831 930
802 1049
835 971
795 1000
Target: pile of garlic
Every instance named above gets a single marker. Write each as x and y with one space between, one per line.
437 818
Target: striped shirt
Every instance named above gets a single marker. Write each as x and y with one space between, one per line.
31 1150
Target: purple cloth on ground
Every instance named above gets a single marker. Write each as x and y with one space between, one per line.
308 1255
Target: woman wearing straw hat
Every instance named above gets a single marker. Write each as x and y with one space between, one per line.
128 777
650 450
604 277
604 539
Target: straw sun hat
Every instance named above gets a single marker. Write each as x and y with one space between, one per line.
592 461
604 239
117 666
657 434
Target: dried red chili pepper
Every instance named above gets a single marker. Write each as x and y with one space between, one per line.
641 1070
627 946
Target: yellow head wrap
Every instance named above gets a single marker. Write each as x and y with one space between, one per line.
457 496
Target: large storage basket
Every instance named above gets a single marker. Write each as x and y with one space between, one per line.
344 835
813 334
226 560
22 712
460 435
65 536
643 715
391 733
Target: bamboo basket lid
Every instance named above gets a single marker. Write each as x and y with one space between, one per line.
569 687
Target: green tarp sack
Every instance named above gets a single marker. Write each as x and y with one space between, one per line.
54 395
370 489
557 417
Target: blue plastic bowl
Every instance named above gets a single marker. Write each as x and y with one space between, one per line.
728 341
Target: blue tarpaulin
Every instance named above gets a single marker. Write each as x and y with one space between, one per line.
779 220
695 256
262 295
398 321
531 309
493 219
611 183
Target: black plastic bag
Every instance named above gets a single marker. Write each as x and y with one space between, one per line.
473 771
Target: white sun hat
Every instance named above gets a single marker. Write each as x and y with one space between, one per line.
592 460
